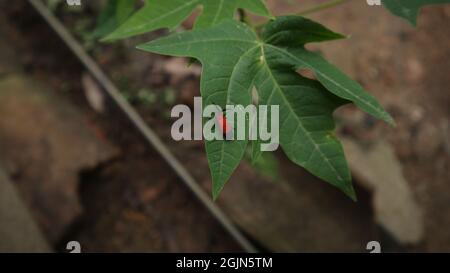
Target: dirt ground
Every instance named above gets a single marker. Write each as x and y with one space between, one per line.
408 70
130 200
133 202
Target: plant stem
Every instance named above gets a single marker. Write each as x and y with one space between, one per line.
322 6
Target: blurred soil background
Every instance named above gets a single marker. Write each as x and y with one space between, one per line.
86 175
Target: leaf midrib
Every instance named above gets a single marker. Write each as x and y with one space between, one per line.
222 151
316 146
368 103
216 16
203 41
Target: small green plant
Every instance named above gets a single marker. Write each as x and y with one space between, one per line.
238 57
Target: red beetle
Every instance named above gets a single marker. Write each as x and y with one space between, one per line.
225 126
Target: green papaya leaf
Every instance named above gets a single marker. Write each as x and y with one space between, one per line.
409 9
286 35
171 13
269 63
